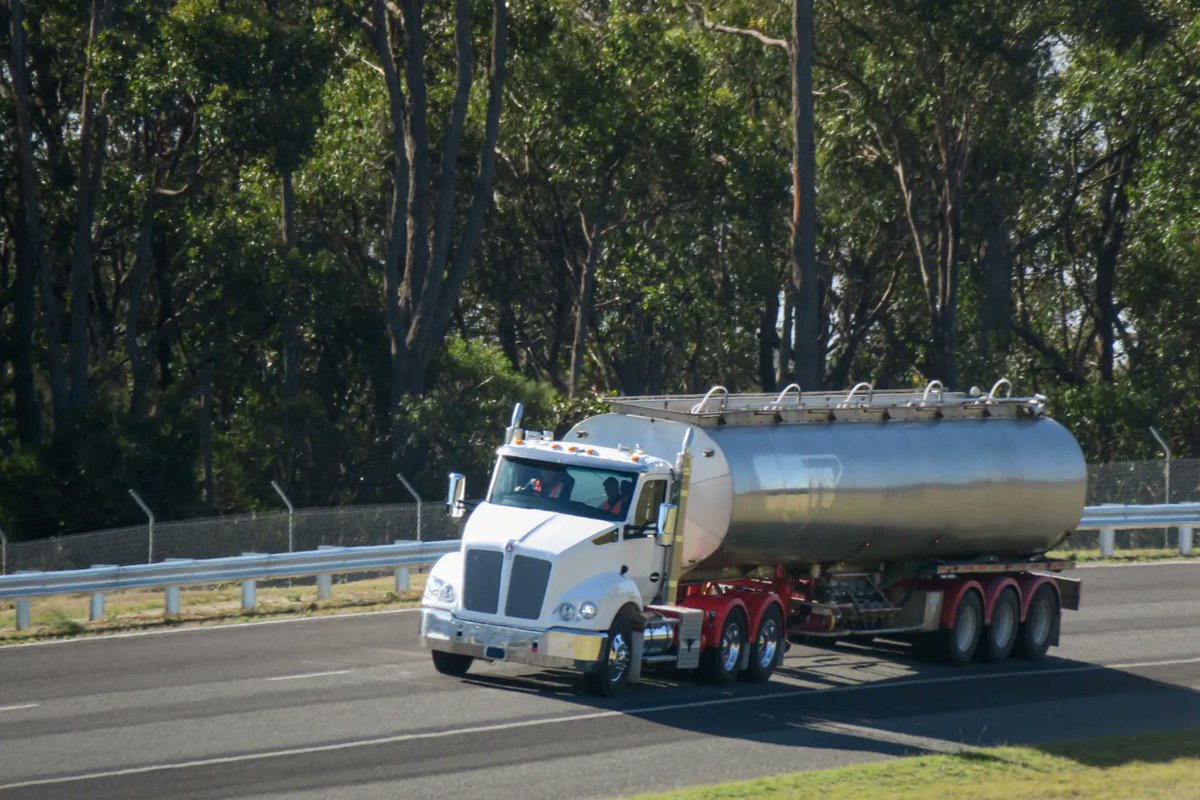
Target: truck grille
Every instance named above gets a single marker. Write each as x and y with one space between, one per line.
481 580
527 587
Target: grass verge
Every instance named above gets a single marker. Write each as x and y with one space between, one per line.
135 609
1130 556
1122 768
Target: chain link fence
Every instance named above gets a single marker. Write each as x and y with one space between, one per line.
216 537
1139 483
1128 482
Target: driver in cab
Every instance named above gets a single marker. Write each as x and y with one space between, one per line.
614 501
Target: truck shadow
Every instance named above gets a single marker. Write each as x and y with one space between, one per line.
882 700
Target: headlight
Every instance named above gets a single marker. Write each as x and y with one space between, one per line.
566 611
448 594
433 588
587 609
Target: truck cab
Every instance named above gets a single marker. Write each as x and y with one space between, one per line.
566 541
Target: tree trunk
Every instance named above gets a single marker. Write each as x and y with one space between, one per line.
806 349
291 338
139 277
93 129
1114 206
31 256
206 434
768 341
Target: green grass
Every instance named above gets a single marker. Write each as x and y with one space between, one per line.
1138 555
63 616
1165 766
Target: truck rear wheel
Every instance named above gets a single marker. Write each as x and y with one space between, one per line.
956 644
454 664
720 665
612 673
764 651
1000 636
1040 623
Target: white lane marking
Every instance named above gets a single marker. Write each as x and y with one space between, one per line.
18 708
881 735
104 637
309 675
534 723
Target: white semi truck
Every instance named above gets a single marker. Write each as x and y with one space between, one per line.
703 532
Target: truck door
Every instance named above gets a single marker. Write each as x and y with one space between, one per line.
645 555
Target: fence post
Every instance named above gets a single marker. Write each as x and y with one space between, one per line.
1185 540
416 497
1108 537
23 614
3 553
150 547
96 607
248 587
291 513
325 579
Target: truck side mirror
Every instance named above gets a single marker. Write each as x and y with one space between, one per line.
667 513
456 493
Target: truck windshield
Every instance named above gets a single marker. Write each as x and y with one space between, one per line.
566 488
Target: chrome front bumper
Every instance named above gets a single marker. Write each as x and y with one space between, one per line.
557 647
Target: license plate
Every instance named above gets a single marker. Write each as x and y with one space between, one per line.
494 653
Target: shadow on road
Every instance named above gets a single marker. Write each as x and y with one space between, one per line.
881 699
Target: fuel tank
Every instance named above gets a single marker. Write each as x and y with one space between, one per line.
819 480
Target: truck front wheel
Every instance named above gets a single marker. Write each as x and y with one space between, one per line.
454 664
720 664
612 673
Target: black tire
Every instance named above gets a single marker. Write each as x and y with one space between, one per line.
956 644
1000 636
764 650
454 664
720 665
1040 625
611 677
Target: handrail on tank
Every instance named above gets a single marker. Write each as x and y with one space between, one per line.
861 385
929 387
699 408
996 387
786 391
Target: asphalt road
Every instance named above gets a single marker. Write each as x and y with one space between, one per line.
351 707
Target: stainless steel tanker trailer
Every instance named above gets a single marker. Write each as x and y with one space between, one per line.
703 532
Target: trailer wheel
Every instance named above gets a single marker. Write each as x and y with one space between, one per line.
1041 621
720 665
612 673
454 664
956 644
764 650
1000 636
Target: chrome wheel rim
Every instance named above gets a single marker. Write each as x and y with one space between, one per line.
768 642
966 628
731 646
618 657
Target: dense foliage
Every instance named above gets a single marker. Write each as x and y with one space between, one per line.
325 241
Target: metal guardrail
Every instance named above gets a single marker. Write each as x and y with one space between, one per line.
246 569
1108 519
325 562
